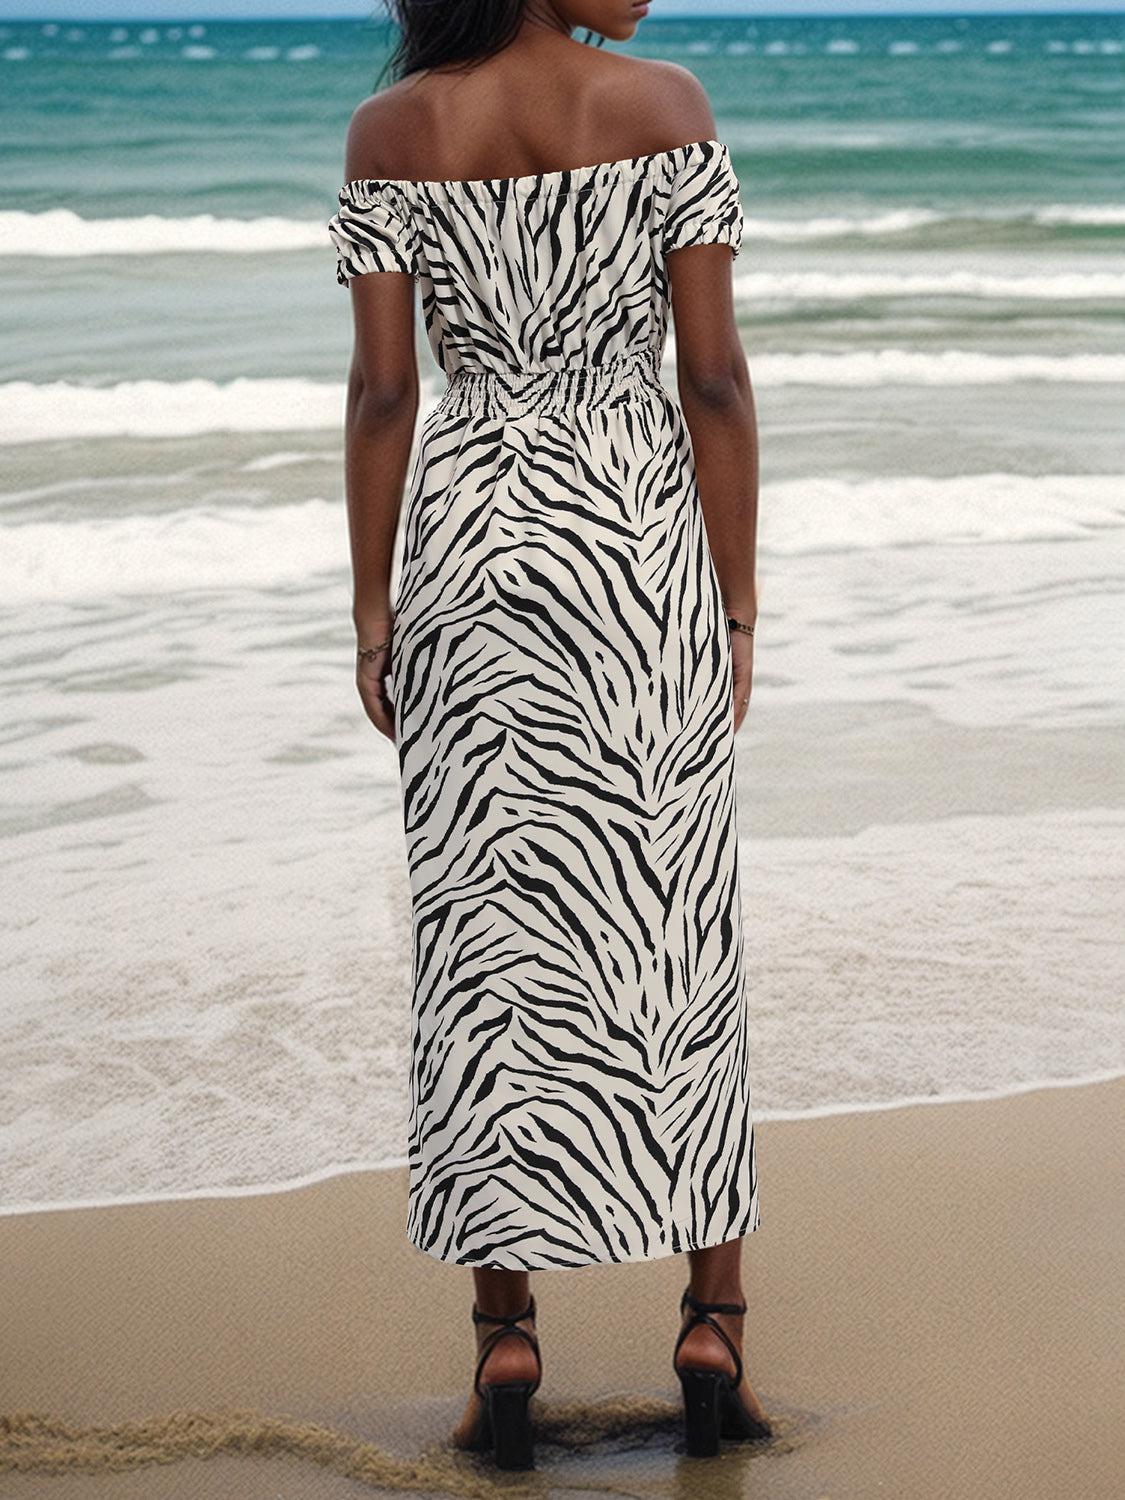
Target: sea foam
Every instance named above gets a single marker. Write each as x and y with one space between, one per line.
53 410
239 546
853 286
61 232
231 1017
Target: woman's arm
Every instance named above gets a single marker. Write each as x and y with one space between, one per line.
382 407
705 224
718 405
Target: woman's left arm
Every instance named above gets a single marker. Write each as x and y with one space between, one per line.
377 259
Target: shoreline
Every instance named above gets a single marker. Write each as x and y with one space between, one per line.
393 1164
932 1312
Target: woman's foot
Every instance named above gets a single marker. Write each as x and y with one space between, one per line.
703 1349
510 1358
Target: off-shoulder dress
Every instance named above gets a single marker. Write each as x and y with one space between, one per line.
561 677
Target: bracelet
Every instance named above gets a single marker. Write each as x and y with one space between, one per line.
369 653
738 625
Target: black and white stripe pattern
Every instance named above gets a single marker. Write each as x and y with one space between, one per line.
561 677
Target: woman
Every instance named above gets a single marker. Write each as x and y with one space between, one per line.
564 665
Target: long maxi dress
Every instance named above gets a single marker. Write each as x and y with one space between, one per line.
561 678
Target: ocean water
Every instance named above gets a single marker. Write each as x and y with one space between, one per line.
206 914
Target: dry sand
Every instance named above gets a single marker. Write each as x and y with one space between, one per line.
935 1310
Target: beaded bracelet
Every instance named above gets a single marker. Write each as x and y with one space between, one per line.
369 653
738 625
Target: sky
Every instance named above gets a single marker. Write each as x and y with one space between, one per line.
203 10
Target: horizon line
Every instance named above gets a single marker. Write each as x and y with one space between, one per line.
975 8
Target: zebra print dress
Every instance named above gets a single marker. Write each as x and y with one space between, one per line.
561 677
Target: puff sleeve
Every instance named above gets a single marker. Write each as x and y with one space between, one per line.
704 202
373 230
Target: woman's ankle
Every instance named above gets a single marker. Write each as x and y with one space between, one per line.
502 1294
715 1289
715 1273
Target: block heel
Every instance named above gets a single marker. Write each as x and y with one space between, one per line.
713 1409
509 1418
703 1401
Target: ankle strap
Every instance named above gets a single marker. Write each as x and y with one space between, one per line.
701 1313
509 1321
736 1309
506 1328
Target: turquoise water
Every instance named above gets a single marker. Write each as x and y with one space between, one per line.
206 918
990 112
1002 136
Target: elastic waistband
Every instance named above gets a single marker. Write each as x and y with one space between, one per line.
511 392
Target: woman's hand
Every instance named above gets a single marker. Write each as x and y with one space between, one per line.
371 676
742 663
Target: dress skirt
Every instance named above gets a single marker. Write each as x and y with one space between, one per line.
561 679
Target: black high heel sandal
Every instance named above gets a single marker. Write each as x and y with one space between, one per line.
505 1419
713 1409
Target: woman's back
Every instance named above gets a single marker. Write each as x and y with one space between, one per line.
530 254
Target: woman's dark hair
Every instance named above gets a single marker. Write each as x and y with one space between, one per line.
437 33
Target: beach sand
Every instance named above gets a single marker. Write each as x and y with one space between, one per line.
935 1310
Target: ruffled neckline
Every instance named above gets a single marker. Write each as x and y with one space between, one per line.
568 179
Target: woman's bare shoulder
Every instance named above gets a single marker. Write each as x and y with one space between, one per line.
665 102
631 105
379 132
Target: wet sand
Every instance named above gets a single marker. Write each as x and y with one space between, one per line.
935 1311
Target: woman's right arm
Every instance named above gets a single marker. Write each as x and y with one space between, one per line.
702 235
